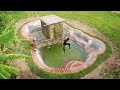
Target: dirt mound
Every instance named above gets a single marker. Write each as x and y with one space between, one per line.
25 72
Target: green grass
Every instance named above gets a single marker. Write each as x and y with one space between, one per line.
55 55
17 15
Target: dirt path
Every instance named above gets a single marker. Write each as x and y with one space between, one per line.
110 63
116 12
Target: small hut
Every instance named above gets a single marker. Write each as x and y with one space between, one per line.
52 28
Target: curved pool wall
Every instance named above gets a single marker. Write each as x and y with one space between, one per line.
91 45
87 42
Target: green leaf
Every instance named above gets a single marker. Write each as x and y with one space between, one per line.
6 37
7 57
4 73
8 27
9 69
2 76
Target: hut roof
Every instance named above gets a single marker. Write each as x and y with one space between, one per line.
51 19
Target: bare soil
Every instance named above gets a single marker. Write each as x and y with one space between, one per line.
25 72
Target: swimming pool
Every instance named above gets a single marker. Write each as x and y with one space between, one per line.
55 56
